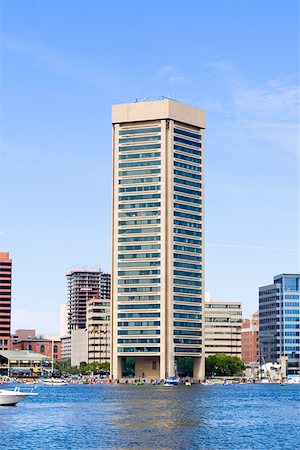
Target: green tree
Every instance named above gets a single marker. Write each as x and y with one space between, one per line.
83 368
223 365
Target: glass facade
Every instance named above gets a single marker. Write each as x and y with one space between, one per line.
278 317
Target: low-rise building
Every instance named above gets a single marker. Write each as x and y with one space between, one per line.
223 323
47 347
250 340
22 334
66 347
79 346
98 324
23 363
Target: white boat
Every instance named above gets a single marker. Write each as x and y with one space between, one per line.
54 382
265 380
11 398
171 381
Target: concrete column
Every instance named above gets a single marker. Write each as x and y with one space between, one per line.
117 368
162 368
199 368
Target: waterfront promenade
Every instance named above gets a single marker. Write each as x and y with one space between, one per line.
121 417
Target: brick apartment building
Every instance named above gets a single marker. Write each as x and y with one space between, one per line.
41 346
250 341
5 300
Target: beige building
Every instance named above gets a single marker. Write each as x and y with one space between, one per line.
66 347
158 276
223 324
98 325
79 346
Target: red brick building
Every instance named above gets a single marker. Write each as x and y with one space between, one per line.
250 341
41 346
5 300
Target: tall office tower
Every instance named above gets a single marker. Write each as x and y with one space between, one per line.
82 286
5 300
279 321
157 237
223 324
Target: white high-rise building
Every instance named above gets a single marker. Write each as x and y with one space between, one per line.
158 276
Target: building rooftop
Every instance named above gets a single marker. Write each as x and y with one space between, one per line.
158 110
83 271
20 355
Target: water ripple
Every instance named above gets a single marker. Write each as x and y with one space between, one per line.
154 417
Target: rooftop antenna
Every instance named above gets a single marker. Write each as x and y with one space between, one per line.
154 98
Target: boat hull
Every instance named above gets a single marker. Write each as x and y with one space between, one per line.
11 398
171 382
54 382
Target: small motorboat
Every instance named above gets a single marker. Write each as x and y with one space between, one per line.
12 397
171 381
54 382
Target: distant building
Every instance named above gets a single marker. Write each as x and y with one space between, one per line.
23 363
105 286
23 334
98 325
82 286
250 341
66 349
279 321
5 300
42 346
79 346
89 294
223 324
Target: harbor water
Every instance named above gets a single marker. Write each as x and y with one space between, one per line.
154 417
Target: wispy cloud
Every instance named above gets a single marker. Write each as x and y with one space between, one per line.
254 247
171 74
268 111
52 60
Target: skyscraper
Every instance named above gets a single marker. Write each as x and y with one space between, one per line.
88 307
5 300
158 281
82 286
279 321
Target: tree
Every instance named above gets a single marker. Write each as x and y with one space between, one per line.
83 368
223 365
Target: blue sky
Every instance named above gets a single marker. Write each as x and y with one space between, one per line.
63 63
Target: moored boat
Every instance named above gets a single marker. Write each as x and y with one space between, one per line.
54 382
10 397
171 381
